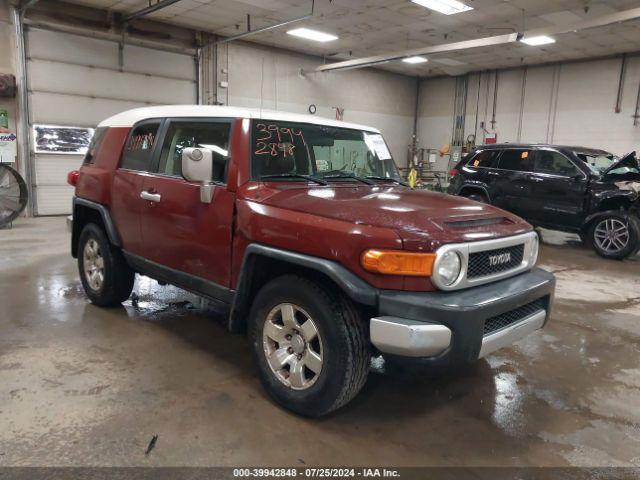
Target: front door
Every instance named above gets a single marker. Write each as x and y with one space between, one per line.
178 230
558 191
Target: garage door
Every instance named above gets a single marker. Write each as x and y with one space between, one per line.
77 82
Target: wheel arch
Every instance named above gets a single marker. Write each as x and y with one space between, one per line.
262 264
588 221
86 211
466 189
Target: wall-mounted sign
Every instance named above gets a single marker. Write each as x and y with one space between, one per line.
8 148
61 140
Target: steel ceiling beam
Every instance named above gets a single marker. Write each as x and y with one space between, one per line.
26 4
146 11
602 21
447 47
265 29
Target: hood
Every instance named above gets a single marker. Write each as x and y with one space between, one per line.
628 160
416 215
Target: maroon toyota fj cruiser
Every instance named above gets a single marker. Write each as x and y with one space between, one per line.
303 228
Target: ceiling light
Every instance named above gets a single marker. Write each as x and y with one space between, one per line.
414 60
448 7
314 35
541 40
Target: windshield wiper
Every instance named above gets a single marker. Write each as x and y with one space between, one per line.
294 175
387 179
348 175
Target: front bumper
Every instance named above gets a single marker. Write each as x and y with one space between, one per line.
448 328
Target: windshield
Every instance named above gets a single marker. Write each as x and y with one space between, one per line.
292 150
598 163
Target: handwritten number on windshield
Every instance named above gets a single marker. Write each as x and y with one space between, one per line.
273 139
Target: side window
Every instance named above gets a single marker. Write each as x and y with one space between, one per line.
516 160
94 145
554 163
181 135
486 158
139 147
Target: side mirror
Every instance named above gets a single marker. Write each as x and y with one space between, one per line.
197 166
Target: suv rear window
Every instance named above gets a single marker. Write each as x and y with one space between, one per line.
486 158
516 160
137 152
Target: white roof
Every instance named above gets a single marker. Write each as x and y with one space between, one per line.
130 117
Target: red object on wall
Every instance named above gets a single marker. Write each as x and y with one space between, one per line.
490 138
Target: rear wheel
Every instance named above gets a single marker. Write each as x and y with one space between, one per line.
106 277
311 347
615 236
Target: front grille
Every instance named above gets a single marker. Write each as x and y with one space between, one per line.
503 320
490 262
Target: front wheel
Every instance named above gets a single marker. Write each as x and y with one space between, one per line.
615 236
310 345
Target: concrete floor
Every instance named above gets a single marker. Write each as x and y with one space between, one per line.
80 385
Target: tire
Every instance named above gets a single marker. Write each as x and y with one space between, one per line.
478 197
623 244
342 343
115 283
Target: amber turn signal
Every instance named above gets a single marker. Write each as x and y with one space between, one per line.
394 262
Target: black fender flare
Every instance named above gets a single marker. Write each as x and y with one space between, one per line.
594 216
350 284
112 232
477 187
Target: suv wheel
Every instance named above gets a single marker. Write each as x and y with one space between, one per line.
478 197
310 345
615 236
106 277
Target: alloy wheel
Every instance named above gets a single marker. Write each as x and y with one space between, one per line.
611 235
93 263
292 346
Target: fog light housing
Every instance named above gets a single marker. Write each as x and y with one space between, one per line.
448 268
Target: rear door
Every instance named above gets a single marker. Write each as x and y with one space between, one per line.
512 182
127 205
178 230
559 189
480 170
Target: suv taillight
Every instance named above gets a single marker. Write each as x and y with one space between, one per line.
453 172
72 177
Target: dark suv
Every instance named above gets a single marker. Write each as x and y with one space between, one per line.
589 192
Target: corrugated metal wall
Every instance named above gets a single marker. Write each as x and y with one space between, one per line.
77 81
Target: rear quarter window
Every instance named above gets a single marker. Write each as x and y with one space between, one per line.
94 145
486 159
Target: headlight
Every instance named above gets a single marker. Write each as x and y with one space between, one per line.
448 268
535 246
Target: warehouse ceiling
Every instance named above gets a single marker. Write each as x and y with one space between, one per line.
372 27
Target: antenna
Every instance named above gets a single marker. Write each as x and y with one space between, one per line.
261 86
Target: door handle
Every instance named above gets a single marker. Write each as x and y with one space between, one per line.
152 197
536 179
